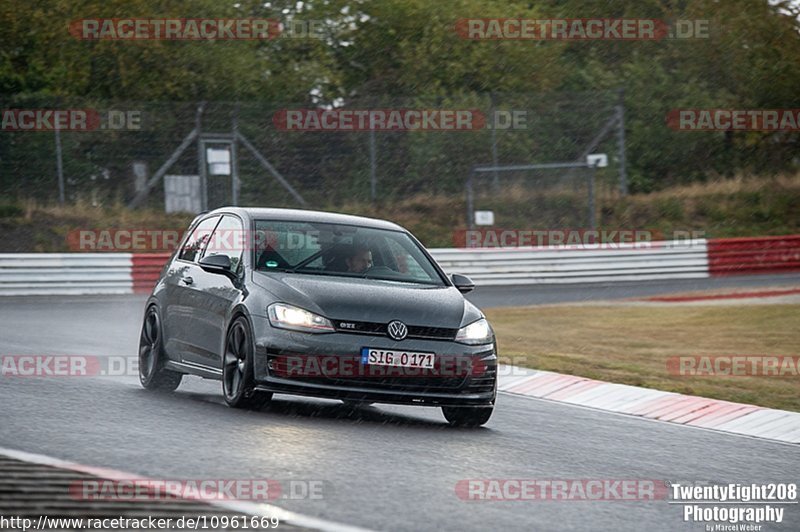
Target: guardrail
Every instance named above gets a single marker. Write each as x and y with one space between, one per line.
771 254
65 273
578 264
124 273
145 269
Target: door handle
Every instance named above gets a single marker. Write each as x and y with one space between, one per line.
187 280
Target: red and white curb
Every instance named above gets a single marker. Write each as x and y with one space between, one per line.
689 410
244 507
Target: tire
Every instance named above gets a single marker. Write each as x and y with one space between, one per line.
460 416
152 374
238 386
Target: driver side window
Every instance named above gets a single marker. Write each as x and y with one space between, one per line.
228 239
194 245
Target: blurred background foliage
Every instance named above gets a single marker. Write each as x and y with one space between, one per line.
397 53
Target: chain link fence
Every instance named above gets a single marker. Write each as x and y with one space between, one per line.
277 161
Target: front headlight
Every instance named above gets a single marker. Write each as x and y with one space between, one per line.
296 319
476 333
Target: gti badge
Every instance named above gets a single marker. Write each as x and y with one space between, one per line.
397 330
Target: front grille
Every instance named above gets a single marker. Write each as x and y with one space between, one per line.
417 332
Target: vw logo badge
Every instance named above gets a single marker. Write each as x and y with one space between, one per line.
397 330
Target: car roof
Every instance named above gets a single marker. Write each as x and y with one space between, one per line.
301 215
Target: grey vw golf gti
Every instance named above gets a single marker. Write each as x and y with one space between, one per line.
317 304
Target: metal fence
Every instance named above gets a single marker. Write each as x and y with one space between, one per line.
132 144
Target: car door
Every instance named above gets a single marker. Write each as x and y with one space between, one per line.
180 300
214 294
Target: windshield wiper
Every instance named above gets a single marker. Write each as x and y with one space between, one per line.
306 262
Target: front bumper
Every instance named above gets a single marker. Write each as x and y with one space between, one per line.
467 376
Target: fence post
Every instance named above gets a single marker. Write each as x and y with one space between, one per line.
201 159
592 210
470 201
234 158
59 168
491 121
373 184
623 173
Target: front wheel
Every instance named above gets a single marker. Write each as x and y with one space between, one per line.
238 384
152 374
470 416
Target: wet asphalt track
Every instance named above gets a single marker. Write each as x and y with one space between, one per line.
384 467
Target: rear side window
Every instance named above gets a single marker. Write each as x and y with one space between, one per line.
194 245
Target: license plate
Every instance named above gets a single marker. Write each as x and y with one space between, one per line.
390 357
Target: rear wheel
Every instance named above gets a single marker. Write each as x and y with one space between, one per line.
460 416
152 374
238 384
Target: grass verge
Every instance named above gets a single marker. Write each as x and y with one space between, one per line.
631 345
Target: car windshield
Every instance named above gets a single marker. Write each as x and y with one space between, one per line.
342 251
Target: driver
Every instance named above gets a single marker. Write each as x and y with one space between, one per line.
358 259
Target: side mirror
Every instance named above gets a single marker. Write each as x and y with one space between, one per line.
219 264
463 283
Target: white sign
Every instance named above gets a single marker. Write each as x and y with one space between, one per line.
598 160
484 217
182 193
219 161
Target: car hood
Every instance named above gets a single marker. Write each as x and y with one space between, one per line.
342 298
